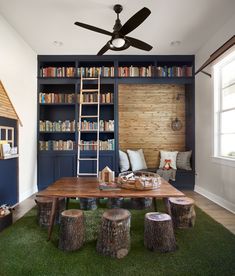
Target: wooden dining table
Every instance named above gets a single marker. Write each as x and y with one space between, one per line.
88 187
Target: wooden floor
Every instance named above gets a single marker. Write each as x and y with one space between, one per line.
218 213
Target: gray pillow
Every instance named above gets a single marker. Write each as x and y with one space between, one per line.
137 159
183 160
124 163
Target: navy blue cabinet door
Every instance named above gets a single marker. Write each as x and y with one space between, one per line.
54 166
46 171
8 181
65 166
107 159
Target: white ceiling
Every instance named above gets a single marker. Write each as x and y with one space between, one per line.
41 22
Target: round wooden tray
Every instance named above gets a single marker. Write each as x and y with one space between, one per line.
139 180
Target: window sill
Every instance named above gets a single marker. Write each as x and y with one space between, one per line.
224 161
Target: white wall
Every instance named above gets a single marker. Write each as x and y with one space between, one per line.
18 67
215 181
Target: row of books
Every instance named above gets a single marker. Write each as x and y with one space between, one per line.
57 72
104 125
93 72
69 126
93 97
63 126
174 71
56 145
70 145
135 71
107 125
56 98
125 71
92 145
165 71
89 72
44 98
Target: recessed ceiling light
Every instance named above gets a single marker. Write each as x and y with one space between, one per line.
57 43
175 43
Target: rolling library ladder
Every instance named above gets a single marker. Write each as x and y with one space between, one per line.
92 116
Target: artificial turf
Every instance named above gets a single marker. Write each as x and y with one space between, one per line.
206 249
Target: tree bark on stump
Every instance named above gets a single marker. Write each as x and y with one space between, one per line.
88 203
141 203
114 236
115 202
159 232
44 205
72 230
182 211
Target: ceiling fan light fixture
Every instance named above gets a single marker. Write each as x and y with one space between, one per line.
118 42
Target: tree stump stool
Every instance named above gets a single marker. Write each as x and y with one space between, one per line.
72 230
88 203
141 203
114 236
44 205
182 212
115 202
159 232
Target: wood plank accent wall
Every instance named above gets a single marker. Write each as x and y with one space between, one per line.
7 109
145 115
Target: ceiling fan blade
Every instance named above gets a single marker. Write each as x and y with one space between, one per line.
92 28
139 44
103 50
135 21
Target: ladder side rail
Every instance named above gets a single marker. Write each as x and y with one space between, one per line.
98 127
79 126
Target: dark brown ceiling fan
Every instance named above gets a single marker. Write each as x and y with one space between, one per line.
119 41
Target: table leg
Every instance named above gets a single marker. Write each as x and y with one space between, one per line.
67 203
52 217
167 205
155 204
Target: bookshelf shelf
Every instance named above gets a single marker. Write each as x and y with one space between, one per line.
56 104
94 131
55 152
60 75
9 156
72 132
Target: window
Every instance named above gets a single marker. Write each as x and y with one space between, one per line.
224 107
7 135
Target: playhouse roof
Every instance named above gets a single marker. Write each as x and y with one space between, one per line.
7 109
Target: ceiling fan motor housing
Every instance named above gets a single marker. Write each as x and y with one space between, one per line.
118 8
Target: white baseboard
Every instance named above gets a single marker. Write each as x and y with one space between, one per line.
215 198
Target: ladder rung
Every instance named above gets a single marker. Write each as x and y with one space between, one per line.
90 90
90 78
86 159
89 116
82 144
87 174
89 103
88 130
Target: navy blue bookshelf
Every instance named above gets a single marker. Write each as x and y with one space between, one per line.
55 164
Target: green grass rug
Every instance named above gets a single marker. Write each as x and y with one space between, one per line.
207 249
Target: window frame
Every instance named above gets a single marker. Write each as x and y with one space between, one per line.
218 110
